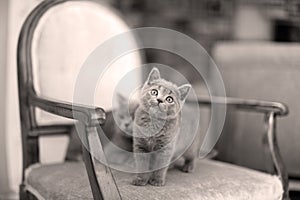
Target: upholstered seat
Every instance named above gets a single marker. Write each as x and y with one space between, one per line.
211 180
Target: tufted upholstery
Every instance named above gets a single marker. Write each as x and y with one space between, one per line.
211 180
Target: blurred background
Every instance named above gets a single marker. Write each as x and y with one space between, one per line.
254 42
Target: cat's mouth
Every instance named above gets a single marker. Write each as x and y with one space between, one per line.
161 107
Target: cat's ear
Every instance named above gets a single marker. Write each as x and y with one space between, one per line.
184 91
121 99
153 75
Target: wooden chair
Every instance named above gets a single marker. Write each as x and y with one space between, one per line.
88 180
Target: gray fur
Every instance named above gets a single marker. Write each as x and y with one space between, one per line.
156 126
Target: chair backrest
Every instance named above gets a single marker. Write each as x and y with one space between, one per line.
265 71
56 39
64 38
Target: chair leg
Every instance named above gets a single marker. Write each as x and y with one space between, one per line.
22 192
31 196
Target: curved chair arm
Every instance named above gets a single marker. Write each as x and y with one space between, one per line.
271 110
244 104
86 114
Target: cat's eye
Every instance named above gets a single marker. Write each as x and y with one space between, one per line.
169 99
154 92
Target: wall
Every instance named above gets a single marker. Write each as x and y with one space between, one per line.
251 23
4 189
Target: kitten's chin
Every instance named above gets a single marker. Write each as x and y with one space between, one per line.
156 109
156 112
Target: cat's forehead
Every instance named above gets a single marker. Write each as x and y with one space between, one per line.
164 90
166 87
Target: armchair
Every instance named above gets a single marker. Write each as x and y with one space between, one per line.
92 180
261 70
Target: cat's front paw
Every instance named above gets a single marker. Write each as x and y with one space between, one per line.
157 181
139 181
188 167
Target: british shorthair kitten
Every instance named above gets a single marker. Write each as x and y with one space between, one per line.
156 126
118 129
124 116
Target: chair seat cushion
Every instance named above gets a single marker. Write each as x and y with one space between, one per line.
211 180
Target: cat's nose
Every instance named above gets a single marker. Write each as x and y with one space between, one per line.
159 101
126 124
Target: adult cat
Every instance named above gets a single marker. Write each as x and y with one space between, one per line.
156 126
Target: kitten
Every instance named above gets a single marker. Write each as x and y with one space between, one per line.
156 126
122 121
118 129
124 115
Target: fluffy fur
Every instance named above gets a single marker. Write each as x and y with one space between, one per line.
119 131
156 125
